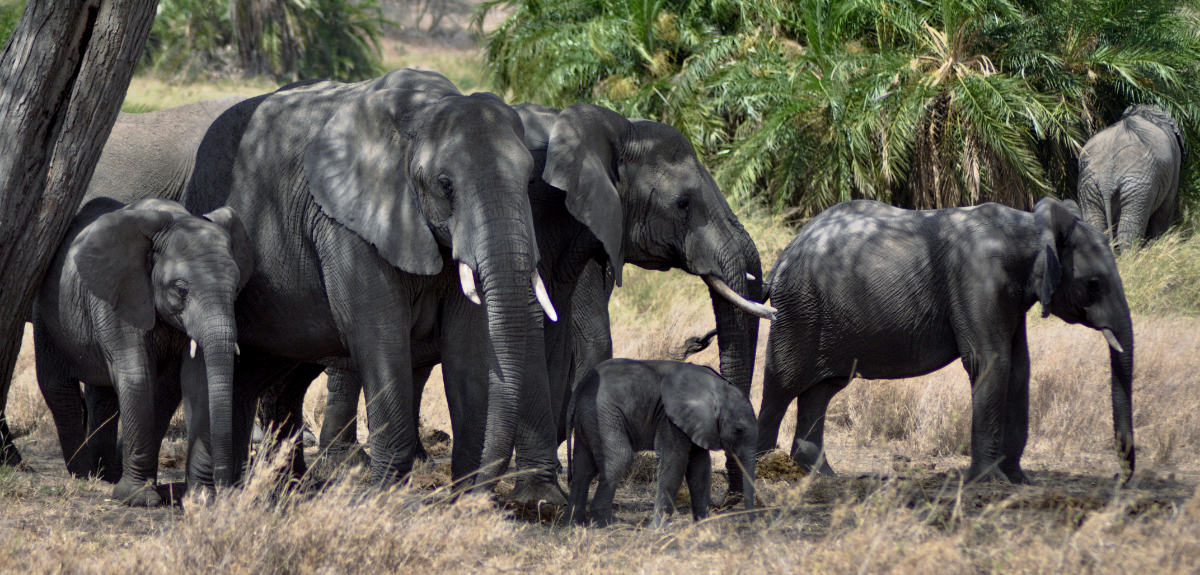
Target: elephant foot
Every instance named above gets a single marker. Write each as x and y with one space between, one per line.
538 490
137 494
1017 477
8 452
811 459
981 473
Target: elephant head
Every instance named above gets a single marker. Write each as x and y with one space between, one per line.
638 186
418 174
715 415
1075 277
152 261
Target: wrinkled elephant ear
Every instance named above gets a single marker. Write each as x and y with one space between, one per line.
111 255
690 396
538 121
581 159
1055 222
358 173
239 240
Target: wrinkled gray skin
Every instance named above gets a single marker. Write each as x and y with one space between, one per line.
892 293
126 292
611 191
1129 175
361 201
680 410
149 155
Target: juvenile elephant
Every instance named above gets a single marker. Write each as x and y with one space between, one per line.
892 293
608 190
370 207
680 410
126 292
1129 175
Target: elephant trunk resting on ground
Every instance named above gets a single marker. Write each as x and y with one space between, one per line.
889 293
372 207
1129 175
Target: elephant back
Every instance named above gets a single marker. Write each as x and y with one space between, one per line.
1159 117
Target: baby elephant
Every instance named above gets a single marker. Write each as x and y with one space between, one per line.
127 290
680 410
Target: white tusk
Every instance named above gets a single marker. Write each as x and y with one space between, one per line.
1112 340
193 352
539 289
467 278
749 276
237 350
758 309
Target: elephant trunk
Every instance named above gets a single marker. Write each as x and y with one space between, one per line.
1122 395
506 278
747 457
737 330
217 337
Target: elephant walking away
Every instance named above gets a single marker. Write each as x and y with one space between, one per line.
894 293
371 208
609 190
1129 175
680 410
129 288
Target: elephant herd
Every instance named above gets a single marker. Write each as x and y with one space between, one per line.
380 228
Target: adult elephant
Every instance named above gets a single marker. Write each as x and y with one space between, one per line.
611 191
866 288
1129 175
370 206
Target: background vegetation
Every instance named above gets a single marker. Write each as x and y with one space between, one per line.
922 103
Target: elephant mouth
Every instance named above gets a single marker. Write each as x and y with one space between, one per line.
761 310
466 278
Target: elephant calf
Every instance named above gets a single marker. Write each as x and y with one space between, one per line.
127 290
680 410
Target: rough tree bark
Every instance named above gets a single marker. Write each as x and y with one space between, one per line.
63 75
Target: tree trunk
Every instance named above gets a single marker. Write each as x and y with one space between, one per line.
63 75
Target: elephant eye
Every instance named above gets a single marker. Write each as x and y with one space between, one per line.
180 290
683 203
446 184
1093 285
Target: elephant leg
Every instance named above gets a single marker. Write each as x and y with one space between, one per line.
672 466
421 375
288 417
1133 216
1161 219
583 471
135 394
339 430
9 350
699 481
103 411
465 375
167 395
777 396
989 373
808 446
61 391
613 460
1016 421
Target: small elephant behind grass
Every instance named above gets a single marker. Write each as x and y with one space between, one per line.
681 411
127 290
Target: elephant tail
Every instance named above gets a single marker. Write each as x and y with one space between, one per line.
570 437
694 345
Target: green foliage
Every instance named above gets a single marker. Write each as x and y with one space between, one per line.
284 39
922 103
10 13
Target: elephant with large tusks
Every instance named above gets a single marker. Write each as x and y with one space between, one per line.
608 190
128 289
1129 175
872 290
372 208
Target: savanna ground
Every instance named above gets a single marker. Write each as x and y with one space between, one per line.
899 504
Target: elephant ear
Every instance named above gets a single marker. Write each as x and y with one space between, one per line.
584 147
112 255
691 399
538 122
239 241
1055 221
358 173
